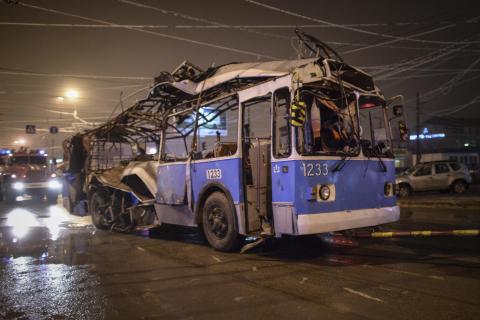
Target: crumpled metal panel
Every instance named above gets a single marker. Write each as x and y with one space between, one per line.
244 70
171 183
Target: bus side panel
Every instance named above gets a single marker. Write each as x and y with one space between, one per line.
226 172
283 182
171 185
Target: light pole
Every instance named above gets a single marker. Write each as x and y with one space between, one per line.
70 94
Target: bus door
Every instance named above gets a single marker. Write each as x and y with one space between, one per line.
256 136
256 111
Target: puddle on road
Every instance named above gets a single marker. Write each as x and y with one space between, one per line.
44 266
34 290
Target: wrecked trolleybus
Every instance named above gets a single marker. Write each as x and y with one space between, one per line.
261 149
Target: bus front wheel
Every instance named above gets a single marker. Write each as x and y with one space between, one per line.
219 223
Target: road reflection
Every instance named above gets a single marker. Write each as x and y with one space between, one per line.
45 269
49 291
43 232
21 220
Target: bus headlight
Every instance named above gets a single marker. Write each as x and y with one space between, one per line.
324 193
54 184
18 186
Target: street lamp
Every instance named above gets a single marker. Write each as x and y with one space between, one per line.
71 94
20 142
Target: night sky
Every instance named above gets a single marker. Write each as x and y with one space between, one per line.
107 48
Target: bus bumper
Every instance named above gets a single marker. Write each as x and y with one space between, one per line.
344 220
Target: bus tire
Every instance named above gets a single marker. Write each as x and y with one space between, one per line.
96 207
219 223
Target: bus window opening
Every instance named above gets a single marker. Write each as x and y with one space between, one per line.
331 125
375 138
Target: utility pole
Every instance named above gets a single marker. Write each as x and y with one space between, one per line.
418 151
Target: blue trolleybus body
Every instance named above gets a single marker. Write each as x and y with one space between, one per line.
276 177
277 148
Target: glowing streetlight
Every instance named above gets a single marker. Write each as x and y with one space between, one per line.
71 94
20 142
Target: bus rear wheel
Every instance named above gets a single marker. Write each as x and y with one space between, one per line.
98 206
219 223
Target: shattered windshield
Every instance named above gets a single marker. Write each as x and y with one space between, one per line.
331 124
375 138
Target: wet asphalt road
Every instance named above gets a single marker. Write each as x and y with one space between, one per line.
57 266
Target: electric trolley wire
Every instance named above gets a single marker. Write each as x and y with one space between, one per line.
7 71
197 19
163 35
240 27
340 26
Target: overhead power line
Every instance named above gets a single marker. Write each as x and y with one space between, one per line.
202 20
163 35
448 86
422 60
82 25
340 26
451 110
7 71
416 35
210 26
207 27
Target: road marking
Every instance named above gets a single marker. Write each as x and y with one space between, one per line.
363 295
303 280
141 249
216 259
393 290
414 274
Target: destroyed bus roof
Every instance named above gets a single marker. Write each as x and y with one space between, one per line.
231 71
271 69
143 119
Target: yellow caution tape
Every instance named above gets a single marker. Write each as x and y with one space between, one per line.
382 234
421 233
472 232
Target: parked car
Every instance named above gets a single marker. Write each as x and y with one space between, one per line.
436 175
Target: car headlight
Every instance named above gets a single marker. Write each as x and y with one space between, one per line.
324 193
54 184
18 186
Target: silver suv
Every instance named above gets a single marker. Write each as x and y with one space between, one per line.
437 175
